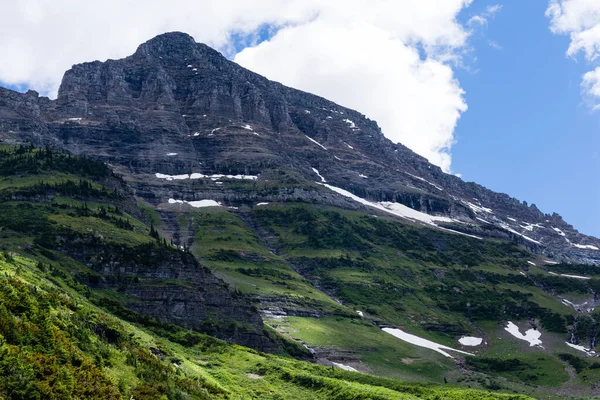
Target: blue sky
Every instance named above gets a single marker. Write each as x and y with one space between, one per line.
527 132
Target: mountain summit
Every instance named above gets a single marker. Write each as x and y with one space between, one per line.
178 107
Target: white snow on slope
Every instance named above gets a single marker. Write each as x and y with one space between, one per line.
197 175
262 204
508 228
417 341
561 233
399 210
247 127
315 142
531 263
426 181
587 246
171 154
532 335
350 123
172 177
575 276
344 367
360 313
581 246
350 147
362 176
196 203
530 227
478 209
319 175
581 348
470 341
512 219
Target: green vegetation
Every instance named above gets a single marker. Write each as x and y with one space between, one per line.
77 249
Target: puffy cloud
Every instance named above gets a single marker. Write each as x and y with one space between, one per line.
40 39
591 86
580 19
387 59
392 60
416 101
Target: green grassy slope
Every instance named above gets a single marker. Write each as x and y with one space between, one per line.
65 330
436 285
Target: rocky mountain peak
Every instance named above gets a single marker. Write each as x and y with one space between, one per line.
177 107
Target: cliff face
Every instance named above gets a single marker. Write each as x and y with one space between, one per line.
171 286
178 107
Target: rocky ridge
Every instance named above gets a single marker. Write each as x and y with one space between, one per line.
176 116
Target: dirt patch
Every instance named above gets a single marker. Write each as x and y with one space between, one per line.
254 376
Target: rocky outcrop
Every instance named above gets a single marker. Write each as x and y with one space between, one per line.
171 286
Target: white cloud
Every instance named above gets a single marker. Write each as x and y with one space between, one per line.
392 60
591 87
580 19
40 39
483 18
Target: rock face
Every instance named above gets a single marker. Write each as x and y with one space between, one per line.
178 107
171 286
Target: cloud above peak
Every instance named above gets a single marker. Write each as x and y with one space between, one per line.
392 60
580 19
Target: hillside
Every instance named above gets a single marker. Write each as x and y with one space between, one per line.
71 330
176 195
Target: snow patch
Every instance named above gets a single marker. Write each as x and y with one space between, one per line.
426 181
247 127
306 111
575 276
508 228
262 204
561 233
315 142
531 263
350 123
399 210
360 313
580 348
478 209
171 154
196 203
316 171
197 175
470 341
350 147
532 335
344 367
362 176
417 341
587 247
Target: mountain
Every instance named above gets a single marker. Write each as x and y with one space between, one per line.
175 187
